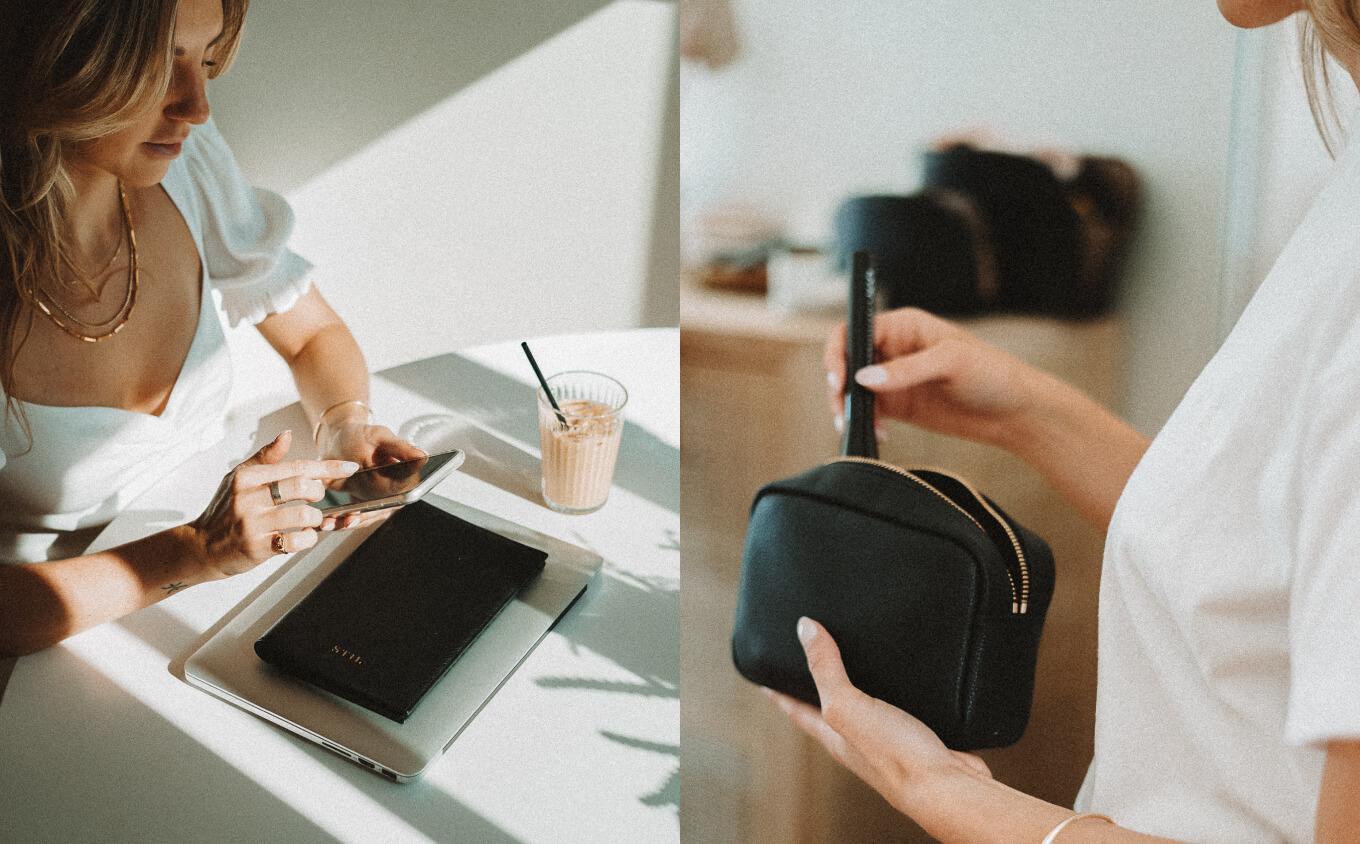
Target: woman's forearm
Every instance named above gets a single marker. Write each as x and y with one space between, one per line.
44 603
1084 451
328 369
960 806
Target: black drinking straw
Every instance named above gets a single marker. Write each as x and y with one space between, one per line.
551 399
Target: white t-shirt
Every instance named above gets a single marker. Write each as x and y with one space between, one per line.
1230 597
88 463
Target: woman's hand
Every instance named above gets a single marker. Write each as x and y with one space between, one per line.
236 532
933 374
896 754
365 444
352 438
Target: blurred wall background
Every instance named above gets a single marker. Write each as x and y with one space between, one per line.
464 172
822 104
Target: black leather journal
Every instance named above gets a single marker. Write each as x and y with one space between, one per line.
390 621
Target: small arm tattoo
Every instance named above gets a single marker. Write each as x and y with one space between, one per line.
172 588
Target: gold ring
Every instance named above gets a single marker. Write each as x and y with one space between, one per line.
274 493
277 544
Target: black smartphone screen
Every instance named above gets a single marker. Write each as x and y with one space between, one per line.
383 481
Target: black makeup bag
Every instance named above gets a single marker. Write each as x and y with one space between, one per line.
994 232
935 596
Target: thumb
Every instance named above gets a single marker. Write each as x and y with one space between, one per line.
842 703
273 451
931 364
870 726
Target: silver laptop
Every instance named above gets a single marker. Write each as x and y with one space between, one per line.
226 665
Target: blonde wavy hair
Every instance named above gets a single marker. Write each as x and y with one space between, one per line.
1328 28
70 71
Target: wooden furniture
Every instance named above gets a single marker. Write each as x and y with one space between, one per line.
753 392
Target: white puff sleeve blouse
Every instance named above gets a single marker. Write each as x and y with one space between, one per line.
244 234
87 463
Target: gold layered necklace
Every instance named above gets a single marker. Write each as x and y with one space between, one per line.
100 330
97 293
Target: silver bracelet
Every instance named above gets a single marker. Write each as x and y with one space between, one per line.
1053 833
321 420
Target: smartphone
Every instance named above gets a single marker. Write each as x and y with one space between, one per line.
393 485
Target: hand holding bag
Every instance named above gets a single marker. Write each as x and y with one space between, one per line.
935 596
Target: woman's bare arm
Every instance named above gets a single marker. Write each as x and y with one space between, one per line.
326 362
1084 451
331 376
43 603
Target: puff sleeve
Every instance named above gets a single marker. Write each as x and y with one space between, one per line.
245 233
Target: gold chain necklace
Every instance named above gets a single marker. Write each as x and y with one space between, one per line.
98 292
129 300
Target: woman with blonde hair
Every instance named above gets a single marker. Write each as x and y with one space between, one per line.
1228 692
121 211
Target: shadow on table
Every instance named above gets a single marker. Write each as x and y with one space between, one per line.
624 622
669 792
647 467
423 807
110 804
489 458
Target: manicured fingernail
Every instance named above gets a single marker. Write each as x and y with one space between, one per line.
838 423
807 631
871 376
283 435
833 380
349 466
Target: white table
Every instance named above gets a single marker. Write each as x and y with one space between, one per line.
100 738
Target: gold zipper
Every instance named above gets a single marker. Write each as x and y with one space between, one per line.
1020 601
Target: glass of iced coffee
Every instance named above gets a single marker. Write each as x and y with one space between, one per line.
580 444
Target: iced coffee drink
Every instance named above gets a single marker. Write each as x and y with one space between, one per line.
580 439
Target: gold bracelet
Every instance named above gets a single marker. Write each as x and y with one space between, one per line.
1053 833
321 420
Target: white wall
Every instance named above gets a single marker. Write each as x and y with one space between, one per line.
825 103
461 172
